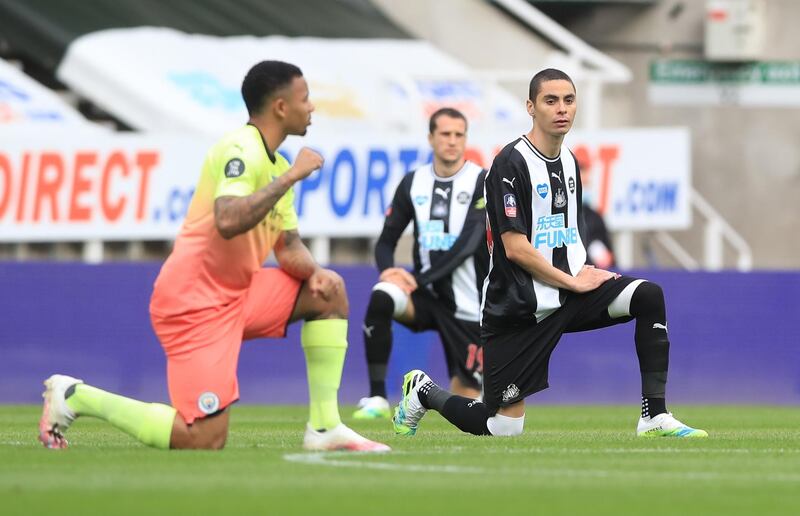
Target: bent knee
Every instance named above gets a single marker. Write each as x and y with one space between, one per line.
647 298
204 434
337 305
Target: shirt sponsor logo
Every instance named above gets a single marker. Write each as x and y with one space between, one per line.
433 238
542 190
510 203
550 232
234 168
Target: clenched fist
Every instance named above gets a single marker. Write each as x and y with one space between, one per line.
307 161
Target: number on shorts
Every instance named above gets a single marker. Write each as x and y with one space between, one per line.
475 358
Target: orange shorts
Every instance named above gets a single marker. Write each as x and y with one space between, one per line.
203 347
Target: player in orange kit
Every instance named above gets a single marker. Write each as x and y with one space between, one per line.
213 292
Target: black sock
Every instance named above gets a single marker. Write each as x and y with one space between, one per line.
431 396
651 407
378 340
652 343
467 414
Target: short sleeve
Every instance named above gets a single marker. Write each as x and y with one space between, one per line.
236 175
505 195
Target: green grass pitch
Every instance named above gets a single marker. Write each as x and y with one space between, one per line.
570 460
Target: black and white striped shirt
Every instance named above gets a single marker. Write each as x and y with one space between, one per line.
450 256
540 197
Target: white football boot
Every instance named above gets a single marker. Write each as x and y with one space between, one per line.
56 415
409 411
342 438
665 425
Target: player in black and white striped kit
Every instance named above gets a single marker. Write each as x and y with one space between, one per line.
540 287
444 200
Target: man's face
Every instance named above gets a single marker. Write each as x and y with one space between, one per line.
449 139
297 107
553 109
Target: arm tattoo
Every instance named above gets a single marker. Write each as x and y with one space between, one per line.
236 215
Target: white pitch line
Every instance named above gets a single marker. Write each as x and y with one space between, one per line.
324 459
328 459
599 451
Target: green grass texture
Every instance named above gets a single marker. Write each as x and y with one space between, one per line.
581 460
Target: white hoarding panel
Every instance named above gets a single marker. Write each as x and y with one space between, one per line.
118 187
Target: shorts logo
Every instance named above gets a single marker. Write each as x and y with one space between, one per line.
234 168
208 403
511 392
510 203
542 190
571 184
463 197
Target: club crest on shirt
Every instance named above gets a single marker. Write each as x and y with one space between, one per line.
439 209
510 204
234 168
542 190
560 199
571 184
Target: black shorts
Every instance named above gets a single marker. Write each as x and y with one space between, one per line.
516 363
461 339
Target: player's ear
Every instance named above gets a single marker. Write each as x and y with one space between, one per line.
279 106
529 107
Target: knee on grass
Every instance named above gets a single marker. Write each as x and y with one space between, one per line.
505 426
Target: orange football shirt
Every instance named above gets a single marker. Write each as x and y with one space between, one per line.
204 270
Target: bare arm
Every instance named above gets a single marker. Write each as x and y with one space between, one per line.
236 215
520 251
294 257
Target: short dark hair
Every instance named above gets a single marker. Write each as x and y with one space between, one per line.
548 74
445 111
263 80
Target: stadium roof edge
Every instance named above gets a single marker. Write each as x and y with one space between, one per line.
42 30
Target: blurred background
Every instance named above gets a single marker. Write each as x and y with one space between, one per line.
688 135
